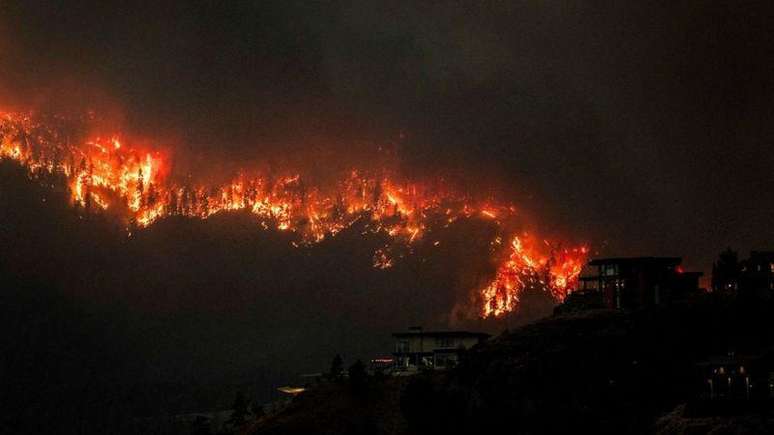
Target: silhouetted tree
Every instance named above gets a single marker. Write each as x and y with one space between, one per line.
140 187
338 208
56 160
416 404
185 200
173 208
337 365
302 193
535 301
132 225
230 194
251 194
85 184
726 271
152 195
257 410
377 194
358 376
239 415
194 203
204 200
88 186
201 426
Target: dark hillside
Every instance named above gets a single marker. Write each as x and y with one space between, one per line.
178 317
335 408
597 372
602 372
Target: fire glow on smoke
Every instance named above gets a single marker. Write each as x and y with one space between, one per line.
106 172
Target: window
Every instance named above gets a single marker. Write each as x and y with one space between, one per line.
610 270
444 342
445 361
402 346
771 267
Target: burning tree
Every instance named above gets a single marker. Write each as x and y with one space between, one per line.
526 269
135 182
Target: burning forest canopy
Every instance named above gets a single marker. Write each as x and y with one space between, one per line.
136 184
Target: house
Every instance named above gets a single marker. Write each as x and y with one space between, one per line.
733 383
750 278
725 273
417 348
731 376
757 274
381 365
633 282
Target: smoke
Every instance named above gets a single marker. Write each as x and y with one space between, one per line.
557 108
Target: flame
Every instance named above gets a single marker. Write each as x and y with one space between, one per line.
111 173
529 266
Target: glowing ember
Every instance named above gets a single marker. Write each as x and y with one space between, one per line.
109 173
382 260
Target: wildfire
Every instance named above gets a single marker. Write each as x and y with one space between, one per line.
110 173
528 267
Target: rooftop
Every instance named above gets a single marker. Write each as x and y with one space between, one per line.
632 260
460 334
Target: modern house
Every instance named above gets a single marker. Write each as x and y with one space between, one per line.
757 274
627 283
729 376
753 277
733 383
417 348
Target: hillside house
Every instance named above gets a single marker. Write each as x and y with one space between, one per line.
627 283
417 348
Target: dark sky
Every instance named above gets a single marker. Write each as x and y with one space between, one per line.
643 129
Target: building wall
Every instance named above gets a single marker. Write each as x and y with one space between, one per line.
428 344
633 284
758 273
412 350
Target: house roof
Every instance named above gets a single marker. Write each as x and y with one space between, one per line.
697 274
725 360
630 260
767 255
444 334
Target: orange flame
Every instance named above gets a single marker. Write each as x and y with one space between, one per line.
108 172
528 267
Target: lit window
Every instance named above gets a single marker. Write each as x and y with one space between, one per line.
771 267
610 270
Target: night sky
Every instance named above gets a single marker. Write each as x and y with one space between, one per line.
640 129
